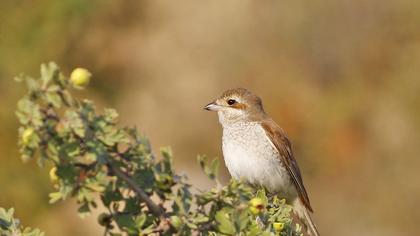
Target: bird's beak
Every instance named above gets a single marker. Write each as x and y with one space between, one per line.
212 107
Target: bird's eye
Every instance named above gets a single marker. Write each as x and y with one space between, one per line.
231 101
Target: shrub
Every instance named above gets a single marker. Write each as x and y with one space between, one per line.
141 194
10 226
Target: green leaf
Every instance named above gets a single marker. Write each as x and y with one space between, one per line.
55 197
126 222
75 123
112 136
7 215
140 220
97 187
52 151
67 98
262 195
84 210
29 112
214 168
32 85
176 222
202 161
200 218
167 159
242 221
67 173
54 99
111 115
145 179
69 150
32 232
111 195
48 72
224 224
131 205
191 225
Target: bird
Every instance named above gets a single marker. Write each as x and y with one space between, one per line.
257 150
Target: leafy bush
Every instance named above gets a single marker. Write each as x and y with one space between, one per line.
9 226
140 193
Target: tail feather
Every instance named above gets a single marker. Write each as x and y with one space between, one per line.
303 213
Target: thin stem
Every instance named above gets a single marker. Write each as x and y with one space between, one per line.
154 209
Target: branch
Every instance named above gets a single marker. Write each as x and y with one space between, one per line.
155 209
87 147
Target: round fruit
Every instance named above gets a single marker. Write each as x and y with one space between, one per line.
256 205
257 202
254 210
80 78
278 226
104 219
26 135
53 175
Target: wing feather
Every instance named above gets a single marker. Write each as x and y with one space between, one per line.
283 145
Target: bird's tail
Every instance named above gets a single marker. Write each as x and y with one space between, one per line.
304 215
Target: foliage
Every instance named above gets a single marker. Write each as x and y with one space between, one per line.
9 226
141 193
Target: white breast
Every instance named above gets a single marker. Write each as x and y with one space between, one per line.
250 155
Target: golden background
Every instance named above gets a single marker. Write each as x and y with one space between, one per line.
341 77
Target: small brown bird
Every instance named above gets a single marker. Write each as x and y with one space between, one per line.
256 149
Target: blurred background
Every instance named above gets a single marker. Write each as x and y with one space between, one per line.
341 77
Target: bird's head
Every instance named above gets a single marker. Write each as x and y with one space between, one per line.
237 105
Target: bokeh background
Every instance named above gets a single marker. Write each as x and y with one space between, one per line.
341 77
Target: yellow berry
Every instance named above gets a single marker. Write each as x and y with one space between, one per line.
257 202
26 135
278 226
254 210
53 175
256 205
80 78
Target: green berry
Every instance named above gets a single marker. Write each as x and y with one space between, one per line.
104 219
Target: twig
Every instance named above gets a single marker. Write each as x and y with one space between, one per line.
206 227
154 209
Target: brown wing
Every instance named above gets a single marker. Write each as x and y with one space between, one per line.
282 143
